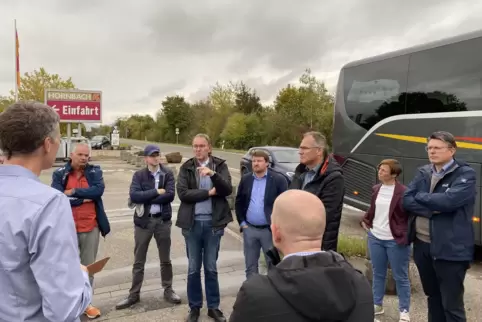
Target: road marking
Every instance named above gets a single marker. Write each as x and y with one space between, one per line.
127 209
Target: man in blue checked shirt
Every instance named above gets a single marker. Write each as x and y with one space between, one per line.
154 188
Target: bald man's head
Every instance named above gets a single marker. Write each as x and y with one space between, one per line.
298 216
80 155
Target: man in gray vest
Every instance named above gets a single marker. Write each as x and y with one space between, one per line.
441 199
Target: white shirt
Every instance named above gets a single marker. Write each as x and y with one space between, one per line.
381 227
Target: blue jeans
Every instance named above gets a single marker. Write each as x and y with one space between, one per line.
381 253
202 243
255 239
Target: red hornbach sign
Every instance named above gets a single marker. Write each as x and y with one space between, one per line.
75 106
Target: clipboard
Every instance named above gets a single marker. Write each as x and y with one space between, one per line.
97 266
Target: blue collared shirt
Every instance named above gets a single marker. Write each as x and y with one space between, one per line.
255 214
155 209
310 175
40 274
444 169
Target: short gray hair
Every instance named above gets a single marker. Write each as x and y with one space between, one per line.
24 127
320 141
318 137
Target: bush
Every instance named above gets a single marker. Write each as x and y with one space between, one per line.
351 246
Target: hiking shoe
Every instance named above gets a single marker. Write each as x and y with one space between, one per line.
379 310
92 312
404 316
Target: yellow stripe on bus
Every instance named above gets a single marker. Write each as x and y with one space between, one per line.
420 139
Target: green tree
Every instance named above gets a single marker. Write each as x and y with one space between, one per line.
5 102
202 113
222 98
32 88
177 113
33 85
235 131
233 112
247 101
301 108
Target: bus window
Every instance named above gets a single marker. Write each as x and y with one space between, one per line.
375 90
446 79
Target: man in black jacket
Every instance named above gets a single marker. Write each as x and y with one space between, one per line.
203 184
308 284
321 175
152 187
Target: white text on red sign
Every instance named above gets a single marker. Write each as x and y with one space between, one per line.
77 110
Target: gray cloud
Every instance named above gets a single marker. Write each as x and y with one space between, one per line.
163 90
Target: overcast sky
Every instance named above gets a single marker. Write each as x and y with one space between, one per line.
137 52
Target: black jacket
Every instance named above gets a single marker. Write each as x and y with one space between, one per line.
276 184
143 191
190 194
321 287
329 185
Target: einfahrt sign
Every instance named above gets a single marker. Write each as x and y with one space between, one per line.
75 106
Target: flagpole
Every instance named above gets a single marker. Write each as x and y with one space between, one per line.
16 60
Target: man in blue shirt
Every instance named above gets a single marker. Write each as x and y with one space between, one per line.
257 192
153 188
41 276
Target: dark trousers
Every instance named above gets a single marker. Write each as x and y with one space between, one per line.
255 239
202 243
161 230
443 284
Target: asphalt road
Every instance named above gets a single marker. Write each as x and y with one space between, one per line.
113 283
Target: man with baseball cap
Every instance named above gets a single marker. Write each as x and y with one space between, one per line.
152 187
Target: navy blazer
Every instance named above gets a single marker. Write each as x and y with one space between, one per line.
143 191
276 184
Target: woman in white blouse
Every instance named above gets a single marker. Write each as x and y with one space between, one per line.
386 224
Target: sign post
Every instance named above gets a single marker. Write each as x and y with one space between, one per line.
114 138
75 106
177 135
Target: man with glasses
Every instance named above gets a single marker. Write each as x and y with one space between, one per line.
154 188
320 174
203 184
441 199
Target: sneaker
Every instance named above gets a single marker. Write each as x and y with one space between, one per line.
379 310
92 312
404 316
